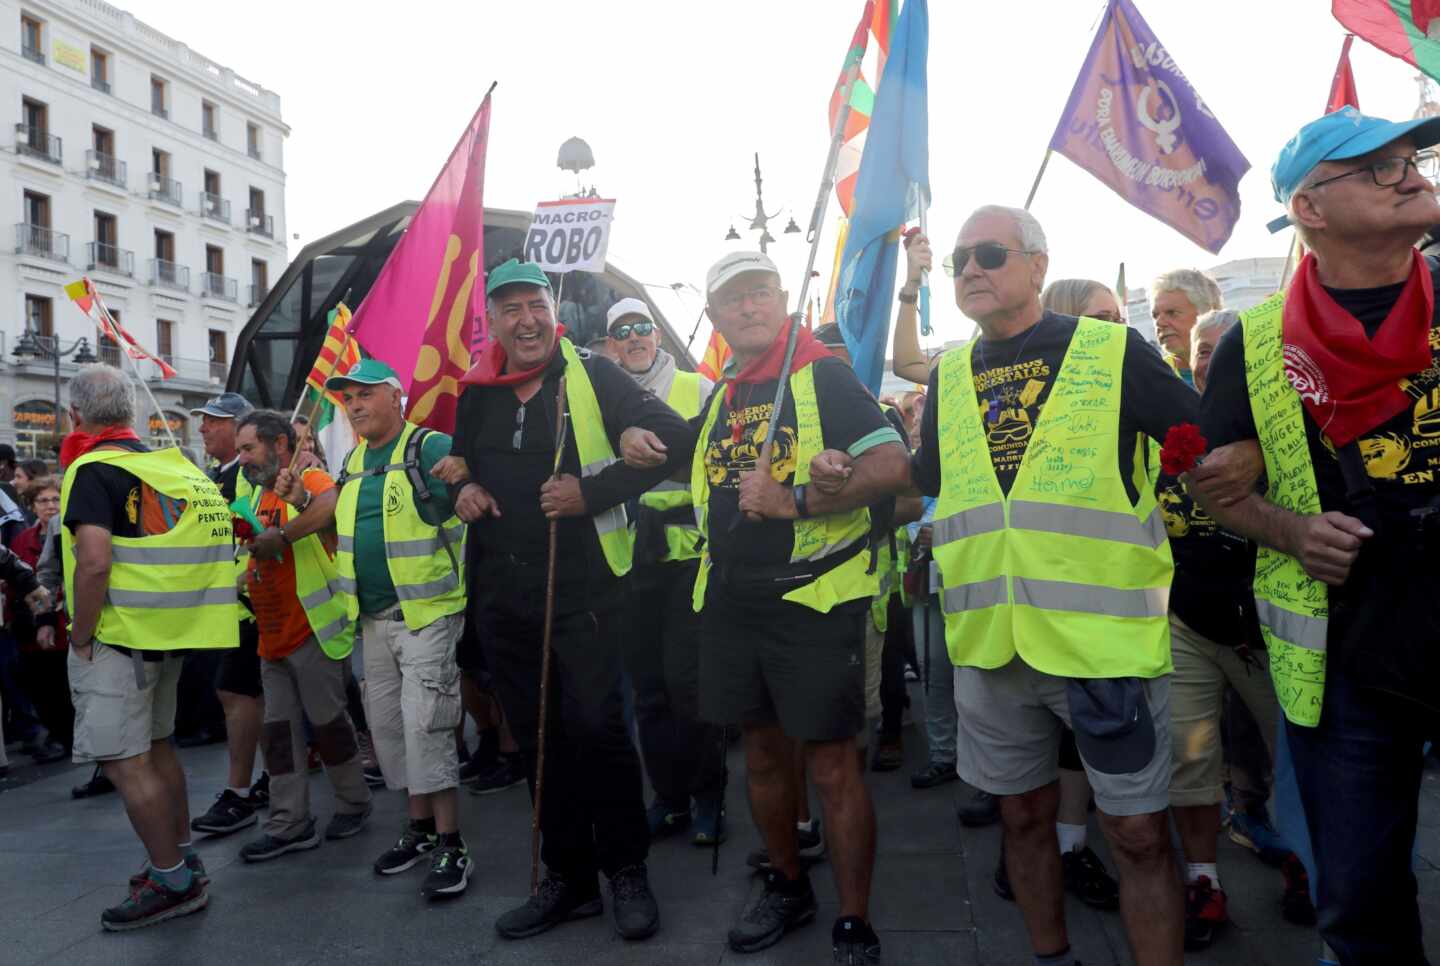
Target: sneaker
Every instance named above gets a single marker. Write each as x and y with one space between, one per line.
97 785
342 825
982 809
556 901
889 755
230 813
809 844
46 752
1204 913
666 819
151 902
450 869
709 824
1087 880
854 942
1253 831
911 674
259 796
508 772
1295 903
474 768
269 846
192 862
632 904
934 774
410 849
373 777
773 914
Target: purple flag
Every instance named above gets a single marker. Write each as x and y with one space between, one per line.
1134 122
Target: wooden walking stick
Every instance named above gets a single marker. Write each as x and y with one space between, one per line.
545 654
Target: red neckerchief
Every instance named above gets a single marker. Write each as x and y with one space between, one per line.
766 367
1350 383
489 368
76 444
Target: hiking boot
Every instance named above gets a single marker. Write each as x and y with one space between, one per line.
854 942
554 902
709 823
508 772
409 850
666 819
889 755
1087 880
450 869
1204 913
934 775
342 825
781 907
1295 903
269 846
1253 831
1001 882
230 813
982 809
97 785
259 796
151 902
632 904
192 862
809 846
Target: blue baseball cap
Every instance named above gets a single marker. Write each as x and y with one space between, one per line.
1337 136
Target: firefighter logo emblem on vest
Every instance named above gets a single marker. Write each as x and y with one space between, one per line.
392 500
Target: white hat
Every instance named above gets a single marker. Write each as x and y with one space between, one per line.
737 263
626 307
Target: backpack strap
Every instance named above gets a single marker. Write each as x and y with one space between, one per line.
411 465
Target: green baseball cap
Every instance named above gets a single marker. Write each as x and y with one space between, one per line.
366 372
514 272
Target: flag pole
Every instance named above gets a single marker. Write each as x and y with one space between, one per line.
925 277
306 430
134 369
1035 186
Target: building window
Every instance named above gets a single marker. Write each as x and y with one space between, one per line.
219 357
164 245
107 348
209 124
107 242
34 138
37 209
34 422
31 39
252 139
159 102
100 70
165 340
39 315
259 281
160 162
212 182
214 259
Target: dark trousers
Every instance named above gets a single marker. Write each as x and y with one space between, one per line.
45 679
197 708
898 631
593 813
683 755
1359 777
22 720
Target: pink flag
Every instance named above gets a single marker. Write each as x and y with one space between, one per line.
423 309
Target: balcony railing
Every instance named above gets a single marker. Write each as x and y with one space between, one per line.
109 353
214 206
257 294
218 286
159 111
165 274
44 242
211 133
219 369
259 223
254 151
32 53
105 167
189 370
36 142
100 84
109 258
166 189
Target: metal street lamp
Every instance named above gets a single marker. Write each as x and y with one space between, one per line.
32 346
760 221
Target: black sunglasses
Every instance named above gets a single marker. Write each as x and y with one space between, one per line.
622 332
988 255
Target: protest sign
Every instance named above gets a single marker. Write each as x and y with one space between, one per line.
570 235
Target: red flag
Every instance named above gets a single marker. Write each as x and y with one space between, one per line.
1342 88
430 294
84 295
717 354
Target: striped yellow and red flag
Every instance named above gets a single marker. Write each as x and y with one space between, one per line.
338 353
717 353
876 20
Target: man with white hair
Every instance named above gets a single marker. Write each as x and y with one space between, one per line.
1055 571
1177 298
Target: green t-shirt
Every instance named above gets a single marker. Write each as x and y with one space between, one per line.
372 572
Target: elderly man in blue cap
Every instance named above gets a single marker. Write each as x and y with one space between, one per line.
1339 382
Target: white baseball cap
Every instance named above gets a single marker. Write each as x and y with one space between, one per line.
737 263
624 307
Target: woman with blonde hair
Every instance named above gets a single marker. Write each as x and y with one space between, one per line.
1082 296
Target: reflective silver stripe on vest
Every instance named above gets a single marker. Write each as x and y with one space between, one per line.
171 598
333 629
317 598
981 594
423 547
345 543
428 590
969 523
171 555
1092 598
670 486
1293 628
346 585
824 552
590 469
1083 522
611 520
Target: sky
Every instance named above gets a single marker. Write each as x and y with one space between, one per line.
676 98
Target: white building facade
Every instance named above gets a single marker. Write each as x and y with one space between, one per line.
153 170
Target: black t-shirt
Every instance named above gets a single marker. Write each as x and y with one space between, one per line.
849 415
1013 379
104 495
225 476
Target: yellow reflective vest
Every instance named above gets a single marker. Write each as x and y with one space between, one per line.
1063 570
682 540
427 585
612 526
1294 608
817 537
317 587
167 591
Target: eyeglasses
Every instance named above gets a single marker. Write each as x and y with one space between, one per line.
759 297
1388 172
988 255
1105 315
622 332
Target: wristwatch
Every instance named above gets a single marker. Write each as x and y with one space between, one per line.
908 299
303 503
802 510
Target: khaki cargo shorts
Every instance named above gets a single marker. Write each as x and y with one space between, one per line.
114 717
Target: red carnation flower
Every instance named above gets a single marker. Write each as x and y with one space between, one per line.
244 532
1182 450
